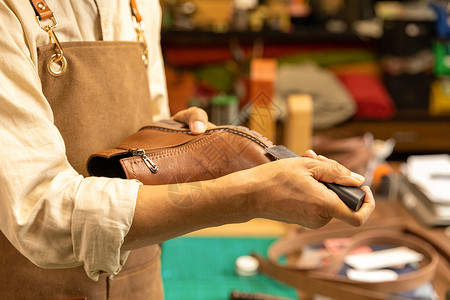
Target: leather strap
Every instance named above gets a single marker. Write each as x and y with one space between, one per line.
42 10
306 283
324 280
135 11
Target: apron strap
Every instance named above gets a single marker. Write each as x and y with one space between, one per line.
44 13
139 28
135 11
42 10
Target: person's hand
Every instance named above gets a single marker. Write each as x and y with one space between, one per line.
289 190
196 118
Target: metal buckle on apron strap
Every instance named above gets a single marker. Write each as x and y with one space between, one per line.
43 13
139 28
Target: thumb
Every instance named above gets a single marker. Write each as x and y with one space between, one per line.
195 117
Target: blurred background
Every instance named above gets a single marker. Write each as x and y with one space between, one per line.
369 66
363 82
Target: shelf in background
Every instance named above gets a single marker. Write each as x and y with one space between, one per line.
415 132
315 34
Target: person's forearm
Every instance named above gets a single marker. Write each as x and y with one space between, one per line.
167 211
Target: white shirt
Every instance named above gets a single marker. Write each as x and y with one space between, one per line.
50 213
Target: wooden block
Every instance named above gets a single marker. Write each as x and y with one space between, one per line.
298 126
262 80
263 69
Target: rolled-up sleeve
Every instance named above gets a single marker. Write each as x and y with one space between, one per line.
99 227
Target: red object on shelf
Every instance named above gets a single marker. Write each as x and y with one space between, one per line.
371 96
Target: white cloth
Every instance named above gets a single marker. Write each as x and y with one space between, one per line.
50 213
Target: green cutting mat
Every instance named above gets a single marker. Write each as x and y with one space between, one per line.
197 268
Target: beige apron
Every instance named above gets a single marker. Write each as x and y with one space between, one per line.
101 98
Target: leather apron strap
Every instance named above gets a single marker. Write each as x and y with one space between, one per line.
102 97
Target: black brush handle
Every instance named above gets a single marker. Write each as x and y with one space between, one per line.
352 196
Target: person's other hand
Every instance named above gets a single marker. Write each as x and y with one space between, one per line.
289 190
196 118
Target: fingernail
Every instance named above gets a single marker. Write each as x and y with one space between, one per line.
312 152
321 156
357 176
198 126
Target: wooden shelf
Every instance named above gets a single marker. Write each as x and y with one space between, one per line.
414 132
315 34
